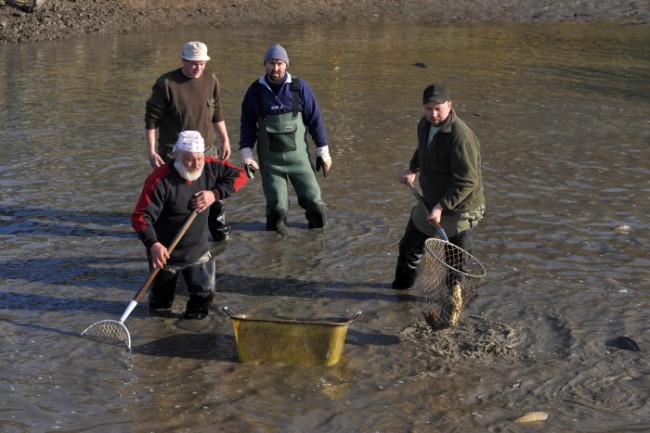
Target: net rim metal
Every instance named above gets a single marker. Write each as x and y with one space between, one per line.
115 324
468 256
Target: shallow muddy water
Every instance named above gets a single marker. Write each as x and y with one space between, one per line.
563 117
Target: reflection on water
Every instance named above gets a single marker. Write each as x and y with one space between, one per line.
562 113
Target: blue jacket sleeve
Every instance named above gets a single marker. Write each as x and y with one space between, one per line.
312 115
248 121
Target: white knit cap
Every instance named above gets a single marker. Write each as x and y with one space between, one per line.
195 52
190 141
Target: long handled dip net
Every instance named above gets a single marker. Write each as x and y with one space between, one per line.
110 332
116 332
450 276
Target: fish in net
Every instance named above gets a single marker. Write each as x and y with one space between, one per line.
449 277
109 331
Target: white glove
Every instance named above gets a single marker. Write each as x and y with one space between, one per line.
249 162
247 157
323 159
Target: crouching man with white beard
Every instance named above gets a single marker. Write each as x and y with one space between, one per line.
192 181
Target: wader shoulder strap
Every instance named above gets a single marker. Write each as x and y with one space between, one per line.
295 88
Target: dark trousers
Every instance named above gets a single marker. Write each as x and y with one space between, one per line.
200 280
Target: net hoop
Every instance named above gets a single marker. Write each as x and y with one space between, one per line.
450 276
110 331
474 268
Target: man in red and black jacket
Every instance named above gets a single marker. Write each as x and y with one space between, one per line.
191 181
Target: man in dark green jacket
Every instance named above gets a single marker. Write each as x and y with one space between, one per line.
448 161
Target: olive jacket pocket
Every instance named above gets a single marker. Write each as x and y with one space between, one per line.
282 137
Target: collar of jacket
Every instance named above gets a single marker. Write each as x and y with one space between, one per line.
265 83
446 125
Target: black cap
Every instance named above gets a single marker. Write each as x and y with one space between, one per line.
437 93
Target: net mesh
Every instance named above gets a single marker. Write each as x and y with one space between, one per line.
449 277
109 331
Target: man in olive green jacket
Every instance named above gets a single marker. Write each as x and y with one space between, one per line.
448 161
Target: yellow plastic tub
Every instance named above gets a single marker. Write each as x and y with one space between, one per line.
290 341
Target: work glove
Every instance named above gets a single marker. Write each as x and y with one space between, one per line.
323 160
249 162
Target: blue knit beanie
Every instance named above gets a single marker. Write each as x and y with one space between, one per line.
276 52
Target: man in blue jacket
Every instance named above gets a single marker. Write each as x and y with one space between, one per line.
278 111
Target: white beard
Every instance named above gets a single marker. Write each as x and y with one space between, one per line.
185 173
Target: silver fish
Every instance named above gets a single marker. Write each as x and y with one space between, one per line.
532 417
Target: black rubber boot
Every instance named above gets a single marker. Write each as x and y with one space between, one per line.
219 228
404 278
201 285
411 248
276 220
160 306
197 307
316 216
157 305
163 290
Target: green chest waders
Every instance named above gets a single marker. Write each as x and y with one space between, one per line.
283 154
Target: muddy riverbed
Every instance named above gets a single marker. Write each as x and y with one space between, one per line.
62 19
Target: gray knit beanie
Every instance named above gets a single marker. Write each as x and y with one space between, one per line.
276 52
